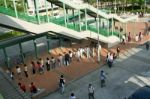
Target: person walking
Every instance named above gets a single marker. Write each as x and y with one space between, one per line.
62 84
110 60
91 91
73 96
26 70
102 78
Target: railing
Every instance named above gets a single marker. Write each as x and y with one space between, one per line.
59 21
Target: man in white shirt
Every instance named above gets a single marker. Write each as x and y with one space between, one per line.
73 96
91 91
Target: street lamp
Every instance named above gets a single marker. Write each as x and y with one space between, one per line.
99 46
115 7
145 6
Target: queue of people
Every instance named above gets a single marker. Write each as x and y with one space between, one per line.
128 38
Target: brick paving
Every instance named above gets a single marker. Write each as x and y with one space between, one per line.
49 80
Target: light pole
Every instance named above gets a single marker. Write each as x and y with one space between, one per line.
115 7
145 6
98 47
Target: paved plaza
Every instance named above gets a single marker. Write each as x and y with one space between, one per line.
130 72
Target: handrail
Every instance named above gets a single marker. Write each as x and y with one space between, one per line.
100 13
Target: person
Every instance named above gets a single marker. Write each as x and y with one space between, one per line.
18 69
12 75
93 52
136 38
99 51
88 52
33 88
118 51
33 67
140 36
53 61
26 70
78 55
60 58
129 37
72 96
48 64
110 60
62 84
123 39
42 64
67 57
22 87
147 46
102 78
70 56
91 91
81 50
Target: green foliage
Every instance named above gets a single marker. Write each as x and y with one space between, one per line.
10 35
90 1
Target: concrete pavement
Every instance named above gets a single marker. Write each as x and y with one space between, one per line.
130 71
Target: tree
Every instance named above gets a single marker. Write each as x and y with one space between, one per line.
90 1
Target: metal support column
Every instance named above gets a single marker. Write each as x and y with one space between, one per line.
6 58
108 27
52 9
46 11
126 29
60 42
21 52
36 2
35 47
73 20
5 3
24 7
99 25
97 19
79 19
112 26
134 28
86 19
65 18
15 8
48 46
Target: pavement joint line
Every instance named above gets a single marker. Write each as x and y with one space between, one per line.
130 71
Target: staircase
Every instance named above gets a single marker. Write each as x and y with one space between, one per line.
9 89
